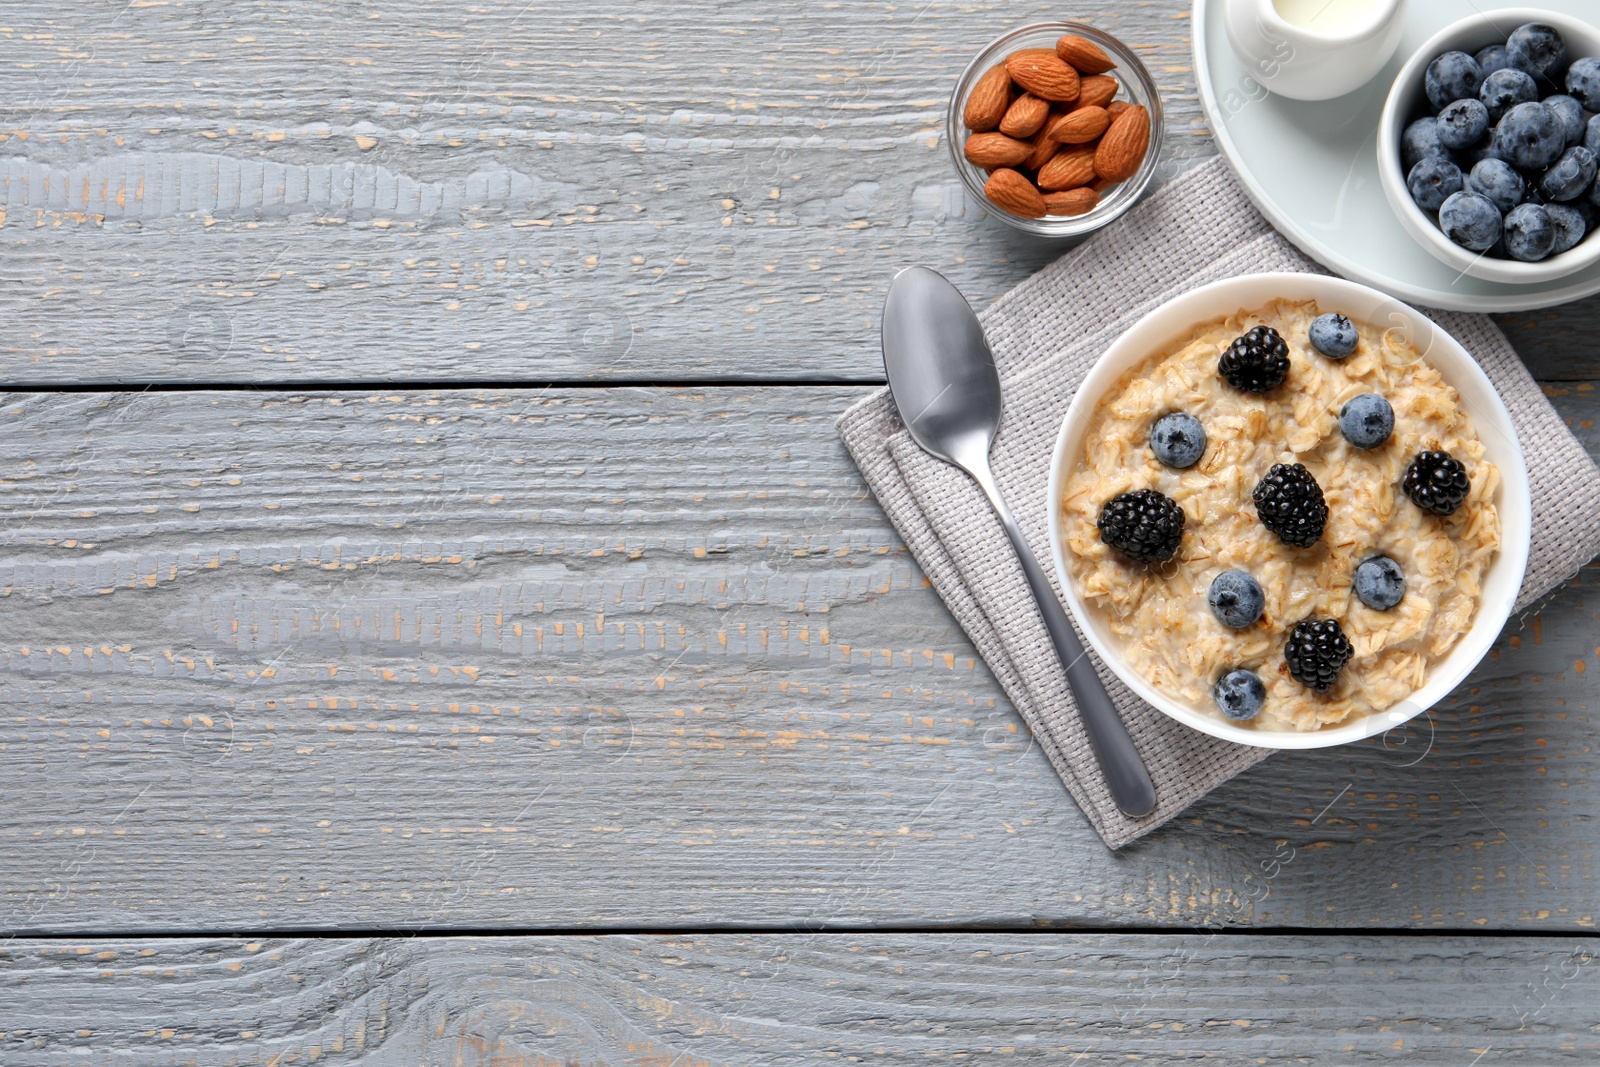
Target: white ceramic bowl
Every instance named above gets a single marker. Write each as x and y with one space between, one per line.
1406 102
1175 319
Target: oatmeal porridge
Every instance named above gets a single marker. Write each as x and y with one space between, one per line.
1285 517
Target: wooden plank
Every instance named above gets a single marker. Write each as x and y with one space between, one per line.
285 192
641 659
801 999
1558 344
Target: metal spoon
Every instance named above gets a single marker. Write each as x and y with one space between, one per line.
945 384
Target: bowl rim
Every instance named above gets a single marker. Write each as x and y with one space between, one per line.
1171 320
1398 104
1126 194
1268 12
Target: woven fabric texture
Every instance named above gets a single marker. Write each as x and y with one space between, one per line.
1046 334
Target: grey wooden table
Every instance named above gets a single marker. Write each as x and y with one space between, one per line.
441 626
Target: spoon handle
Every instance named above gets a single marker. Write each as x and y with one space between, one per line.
1125 772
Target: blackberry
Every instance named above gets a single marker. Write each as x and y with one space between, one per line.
1256 362
1289 502
1437 482
1316 652
1143 525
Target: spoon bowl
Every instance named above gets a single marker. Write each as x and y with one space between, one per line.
940 368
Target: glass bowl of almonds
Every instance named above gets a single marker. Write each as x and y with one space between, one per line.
1055 128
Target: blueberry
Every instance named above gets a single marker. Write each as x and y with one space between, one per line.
1366 420
1236 599
1380 583
1498 249
1470 220
1570 226
1504 90
1463 123
1570 112
1493 58
1591 135
1420 141
1432 180
1499 181
1239 695
1452 76
1537 48
1333 335
1570 176
1178 440
1530 235
1530 137
1583 82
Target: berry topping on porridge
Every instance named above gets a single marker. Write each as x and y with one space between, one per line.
1256 362
1437 482
1178 440
1239 695
1316 652
1380 583
1236 599
1290 504
1366 420
1333 335
1143 525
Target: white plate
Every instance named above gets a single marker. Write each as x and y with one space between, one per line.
1312 168
1501 581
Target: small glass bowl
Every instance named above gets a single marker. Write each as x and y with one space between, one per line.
1137 88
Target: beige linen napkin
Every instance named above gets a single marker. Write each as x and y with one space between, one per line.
1046 334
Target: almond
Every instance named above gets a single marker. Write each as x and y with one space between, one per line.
987 103
996 150
1025 115
1117 107
1099 185
1010 190
1097 91
1122 148
1080 125
1083 54
1041 72
1070 168
1071 202
1044 149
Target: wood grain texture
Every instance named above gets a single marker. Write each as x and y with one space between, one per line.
304 191
782 1000
636 658
1558 344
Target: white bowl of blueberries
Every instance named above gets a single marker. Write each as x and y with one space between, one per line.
1489 145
